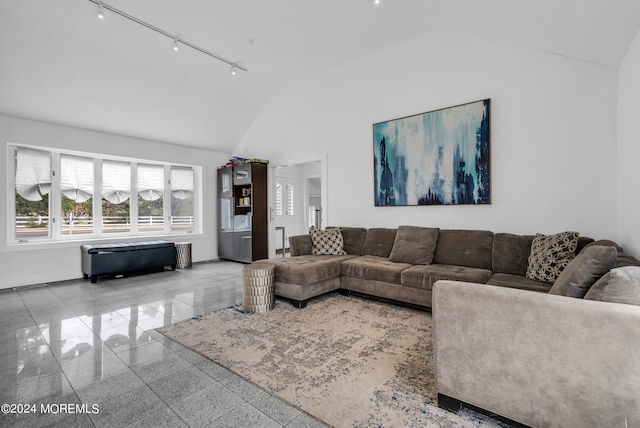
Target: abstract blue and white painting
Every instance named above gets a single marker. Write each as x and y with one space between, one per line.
437 158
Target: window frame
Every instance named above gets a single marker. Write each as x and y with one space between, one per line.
55 199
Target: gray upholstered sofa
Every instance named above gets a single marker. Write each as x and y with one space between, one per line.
403 264
541 360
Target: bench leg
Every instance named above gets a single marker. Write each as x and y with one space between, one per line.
94 279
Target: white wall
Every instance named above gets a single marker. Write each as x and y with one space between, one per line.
553 135
629 150
34 264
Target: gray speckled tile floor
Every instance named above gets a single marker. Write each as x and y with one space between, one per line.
94 347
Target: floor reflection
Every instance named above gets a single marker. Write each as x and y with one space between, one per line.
66 336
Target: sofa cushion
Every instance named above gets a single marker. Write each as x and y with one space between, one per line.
414 245
584 270
379 242
620 285
374 268
353 239
306 269
471 248
550 254
518 281
600 242
424 276
625 259
300 245
583 241
511 253
326 242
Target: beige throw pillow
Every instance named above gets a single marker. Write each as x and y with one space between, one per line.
550 254
327 242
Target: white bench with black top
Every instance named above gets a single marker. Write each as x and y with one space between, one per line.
121 258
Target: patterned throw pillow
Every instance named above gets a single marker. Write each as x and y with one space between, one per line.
327 242
550 254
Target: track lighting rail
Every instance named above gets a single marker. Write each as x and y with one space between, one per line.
101 5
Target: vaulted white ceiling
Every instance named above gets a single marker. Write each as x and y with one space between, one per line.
59 63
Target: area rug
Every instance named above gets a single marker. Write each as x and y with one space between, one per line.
348 361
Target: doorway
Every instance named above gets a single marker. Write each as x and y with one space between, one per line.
314 202
296 203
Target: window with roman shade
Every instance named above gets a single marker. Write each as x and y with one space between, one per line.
150 198
116 191
33 173
32 188
76 178
116 181
181 182
57 195
150 182
77 187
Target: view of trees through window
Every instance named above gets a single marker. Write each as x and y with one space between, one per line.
33 216
77 217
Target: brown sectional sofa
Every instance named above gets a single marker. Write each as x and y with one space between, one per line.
403 264
528 359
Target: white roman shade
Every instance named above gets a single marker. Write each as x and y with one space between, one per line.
181 182
150 182
33 173
76 178
116 181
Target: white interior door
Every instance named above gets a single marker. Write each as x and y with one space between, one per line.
286 214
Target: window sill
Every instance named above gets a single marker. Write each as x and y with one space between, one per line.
75 242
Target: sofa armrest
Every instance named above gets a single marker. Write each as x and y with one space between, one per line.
300 245
537 359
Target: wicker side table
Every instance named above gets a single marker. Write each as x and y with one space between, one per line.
258 294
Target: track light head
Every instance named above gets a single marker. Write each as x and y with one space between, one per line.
233 70
175 44
100 10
